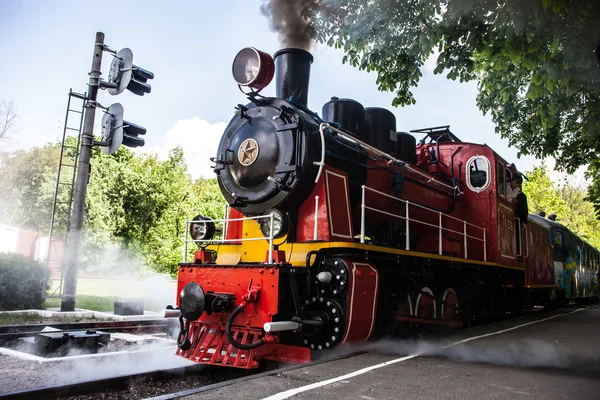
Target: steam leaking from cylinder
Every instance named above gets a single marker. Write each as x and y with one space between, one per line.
285 18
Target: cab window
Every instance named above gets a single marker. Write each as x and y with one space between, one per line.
501 178
478 171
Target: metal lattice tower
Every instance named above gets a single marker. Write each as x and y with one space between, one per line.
60 222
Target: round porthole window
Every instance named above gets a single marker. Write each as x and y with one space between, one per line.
478 173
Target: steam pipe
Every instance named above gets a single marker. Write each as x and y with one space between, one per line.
281 326
168 313
229 334
458 148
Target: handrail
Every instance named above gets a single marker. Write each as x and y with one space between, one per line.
520 244
391 158
269 238
407 218
316 219
226 223
523 238
321 163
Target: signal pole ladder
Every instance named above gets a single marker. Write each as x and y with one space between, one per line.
60 221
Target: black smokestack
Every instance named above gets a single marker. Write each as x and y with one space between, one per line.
285 18
292 68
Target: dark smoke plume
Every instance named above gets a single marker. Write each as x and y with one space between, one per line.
286 18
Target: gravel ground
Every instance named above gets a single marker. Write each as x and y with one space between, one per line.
17 374
152 388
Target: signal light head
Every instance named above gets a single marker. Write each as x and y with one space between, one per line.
253 68
124 75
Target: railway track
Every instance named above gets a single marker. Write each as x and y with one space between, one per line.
188 392
122 382
13 332
164 384
209 378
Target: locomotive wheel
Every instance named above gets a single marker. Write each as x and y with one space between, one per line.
405 309
449 299
406 306
425 306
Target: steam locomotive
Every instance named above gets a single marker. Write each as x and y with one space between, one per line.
340 228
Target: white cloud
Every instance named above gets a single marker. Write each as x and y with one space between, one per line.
199 141
577 179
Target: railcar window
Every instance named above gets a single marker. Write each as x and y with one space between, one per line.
587 257
478 170
501 178
557 239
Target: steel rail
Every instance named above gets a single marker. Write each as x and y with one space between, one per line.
12 332
121 382
218 385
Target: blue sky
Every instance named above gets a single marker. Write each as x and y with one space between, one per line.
47 47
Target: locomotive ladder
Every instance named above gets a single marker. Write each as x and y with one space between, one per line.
60 221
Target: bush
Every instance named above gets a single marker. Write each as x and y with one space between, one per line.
21 282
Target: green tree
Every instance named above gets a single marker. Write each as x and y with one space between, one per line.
580 217
25 194
29 276
135 209
568 202
141 203
594 189
533 60
542 195
165 249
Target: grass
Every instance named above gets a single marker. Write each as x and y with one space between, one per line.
103 304
19 318
99 294
24 318
87 302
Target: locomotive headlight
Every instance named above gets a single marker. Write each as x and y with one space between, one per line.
204 230
253 68
280 224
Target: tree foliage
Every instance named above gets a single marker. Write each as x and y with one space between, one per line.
533 61
143 203
135 208
26 191
567 201
30 276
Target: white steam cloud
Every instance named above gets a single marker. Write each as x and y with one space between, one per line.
522 353
32 372
199 139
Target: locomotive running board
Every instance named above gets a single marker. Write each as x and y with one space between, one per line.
210 346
